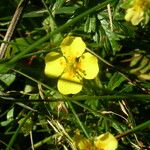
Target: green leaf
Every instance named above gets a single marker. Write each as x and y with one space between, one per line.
6 80
140 65
6 122
146 85
66 10
115 81
28 88
135 60
126 89
20 45
10 114
34 97
27 126
90 24
126 4
9 117
110 38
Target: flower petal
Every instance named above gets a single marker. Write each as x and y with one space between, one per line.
72 47
88 66
55 64
138 16
106 142
135 15
85 144
69 83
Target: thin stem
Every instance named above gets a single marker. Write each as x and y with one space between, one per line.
12 26
141 97
135 129
96 113
31 138
36 81
14 137
38 144
110 17
77 118
50 15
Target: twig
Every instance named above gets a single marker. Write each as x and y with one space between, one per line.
31 139
110 17
12 26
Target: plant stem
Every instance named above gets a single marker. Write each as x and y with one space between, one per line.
135 129
12 26
14 137
77 118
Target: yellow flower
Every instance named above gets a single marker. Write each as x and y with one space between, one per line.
106 142
71 66
135 13
85 144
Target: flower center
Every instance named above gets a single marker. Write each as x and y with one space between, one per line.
73 66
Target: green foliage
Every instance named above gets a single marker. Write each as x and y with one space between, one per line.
115 81
9 118
140 66
116 101
19 45
27 128
6 80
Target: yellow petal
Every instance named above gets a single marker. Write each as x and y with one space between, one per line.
85 144
138 16
55 64
69 83
135 15
129 14
72 47
82 143
88 66
106 142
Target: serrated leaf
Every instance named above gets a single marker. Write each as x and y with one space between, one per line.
66 10
27 126
86 26
108 38
90 24
115 81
